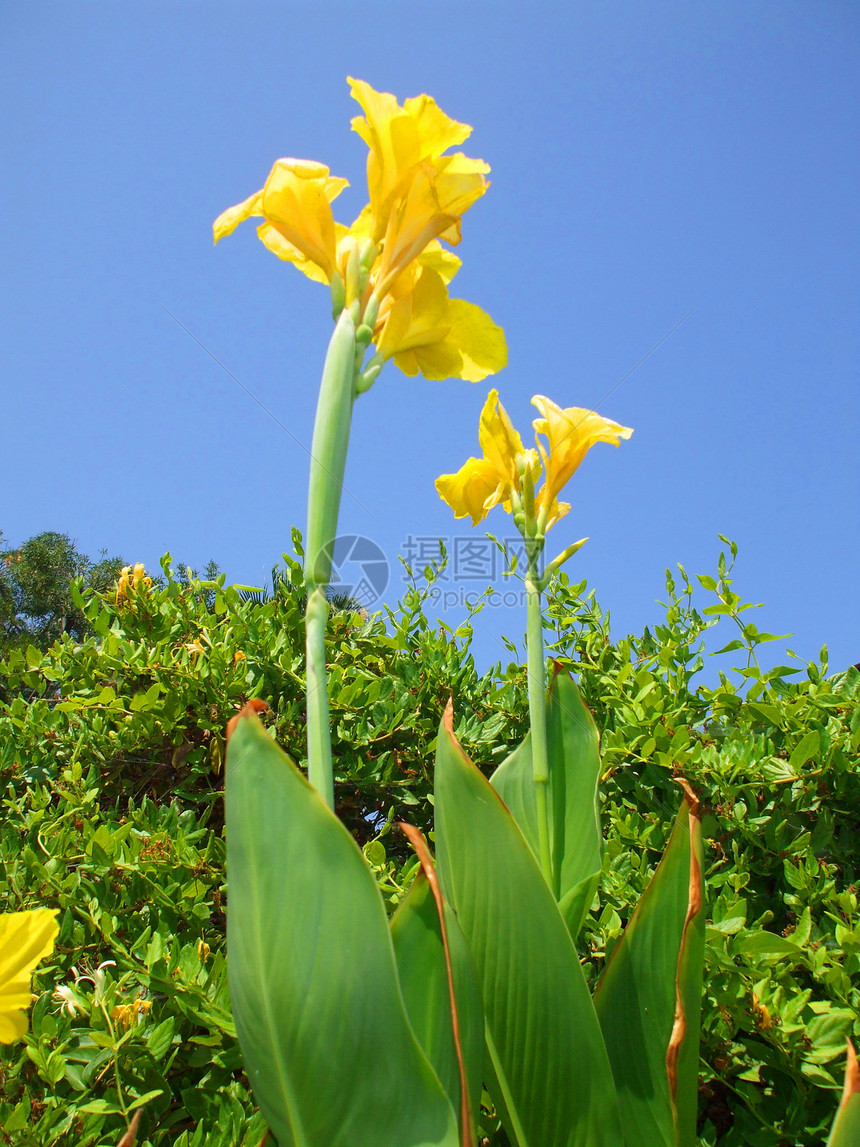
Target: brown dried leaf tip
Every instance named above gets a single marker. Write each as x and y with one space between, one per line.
255 705
130 1137
852 1075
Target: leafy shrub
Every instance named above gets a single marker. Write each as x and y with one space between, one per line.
111 751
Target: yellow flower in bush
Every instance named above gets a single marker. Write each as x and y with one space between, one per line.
131 580
129 1014
508 472
389 261
25 939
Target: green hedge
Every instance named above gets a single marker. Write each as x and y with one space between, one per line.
111 751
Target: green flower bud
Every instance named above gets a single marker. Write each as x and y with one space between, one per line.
338 295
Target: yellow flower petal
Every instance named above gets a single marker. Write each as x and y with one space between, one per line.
439 193
296 205
278 245
499 440
399 139
25 939
297 200
570 435
479 341
229 220
426 331
472 491
439 259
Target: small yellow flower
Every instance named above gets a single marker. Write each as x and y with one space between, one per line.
129 1014
131 579
25 939
508 473
124 584
203 951
418 196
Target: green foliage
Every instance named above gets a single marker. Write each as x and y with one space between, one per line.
111 751
36 605
325 1038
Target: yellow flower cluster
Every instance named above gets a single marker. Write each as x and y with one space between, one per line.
508 473
128 1014
25 939
130 580
391 253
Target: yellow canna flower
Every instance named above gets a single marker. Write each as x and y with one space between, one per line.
483 483
570 435
418 196
425 330
25 939
399 139
295 204
508 473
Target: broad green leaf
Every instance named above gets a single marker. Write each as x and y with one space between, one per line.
420 945
805 750
846 1126
574 770
649 997
553 1079
328 1048
766 944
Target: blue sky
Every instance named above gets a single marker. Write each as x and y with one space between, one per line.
649 160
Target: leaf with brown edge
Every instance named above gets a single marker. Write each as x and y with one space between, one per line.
549 1073
648 998
440 988
846 1126
255 705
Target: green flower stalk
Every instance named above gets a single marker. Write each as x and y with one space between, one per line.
388 274
507 475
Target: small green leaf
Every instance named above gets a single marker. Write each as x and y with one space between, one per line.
805 750
765 944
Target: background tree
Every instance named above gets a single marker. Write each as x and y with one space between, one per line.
36 605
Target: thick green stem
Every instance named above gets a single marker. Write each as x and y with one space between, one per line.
320 772
328 463
537 717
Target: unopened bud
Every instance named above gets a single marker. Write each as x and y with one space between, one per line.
369 375
363 336
353 278
371 311
338 294
367 254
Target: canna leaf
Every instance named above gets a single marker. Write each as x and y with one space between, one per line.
649 997
440 989
846 1126
328 1048
576 842
553 1084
